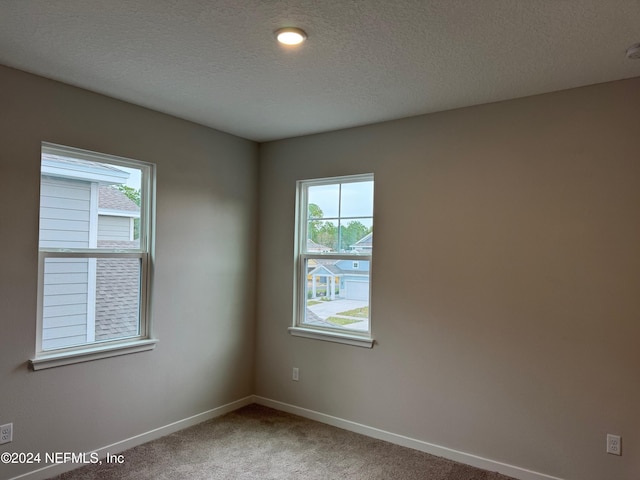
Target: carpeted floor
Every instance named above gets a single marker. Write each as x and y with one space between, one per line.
260 443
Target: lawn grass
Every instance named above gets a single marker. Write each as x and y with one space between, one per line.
312 302
341 321
362 312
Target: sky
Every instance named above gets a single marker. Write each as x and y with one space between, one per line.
354 199
134 179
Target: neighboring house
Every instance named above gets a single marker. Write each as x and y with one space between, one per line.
364 245
80 208
117 302
313 247
116 215
348 279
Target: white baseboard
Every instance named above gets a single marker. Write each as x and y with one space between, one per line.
56 469
455 455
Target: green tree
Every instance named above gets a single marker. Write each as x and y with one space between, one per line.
314 213
351 233
326 233
132 193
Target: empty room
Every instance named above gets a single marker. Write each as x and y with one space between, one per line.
189 286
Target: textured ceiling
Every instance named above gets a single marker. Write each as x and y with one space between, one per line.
216 62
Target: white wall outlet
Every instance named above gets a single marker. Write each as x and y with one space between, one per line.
614 444
296 374
6 433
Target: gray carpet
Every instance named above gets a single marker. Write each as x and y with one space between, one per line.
260 443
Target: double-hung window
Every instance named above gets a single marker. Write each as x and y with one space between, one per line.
334 246
95 240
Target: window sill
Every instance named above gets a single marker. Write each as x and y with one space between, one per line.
355 340
51 360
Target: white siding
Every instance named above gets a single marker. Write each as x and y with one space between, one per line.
64 310
112 228
64 213
64 222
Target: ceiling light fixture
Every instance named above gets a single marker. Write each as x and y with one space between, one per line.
291 36
633 52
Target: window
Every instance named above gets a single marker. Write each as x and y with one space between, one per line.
334 248
95 239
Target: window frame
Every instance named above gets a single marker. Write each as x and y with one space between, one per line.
301 256
124 345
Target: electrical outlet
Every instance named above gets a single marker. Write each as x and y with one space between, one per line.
614 444
296 374
6 433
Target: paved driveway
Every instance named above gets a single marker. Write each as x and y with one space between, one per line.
325 310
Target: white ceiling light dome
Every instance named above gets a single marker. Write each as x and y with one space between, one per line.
291 36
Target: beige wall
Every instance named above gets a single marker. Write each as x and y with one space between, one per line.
506 278
203 309
506 281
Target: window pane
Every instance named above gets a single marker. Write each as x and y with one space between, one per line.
337 218
356 199
351 231
86 204
356 235
336 294
117 298
322 236
65 302
88 300
323 201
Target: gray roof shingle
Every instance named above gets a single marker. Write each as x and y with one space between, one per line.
117 297
113 199
366 241
117 293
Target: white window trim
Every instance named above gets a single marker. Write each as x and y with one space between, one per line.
300 329
118 213
139 343
332 336
91 299
89 353
93 270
